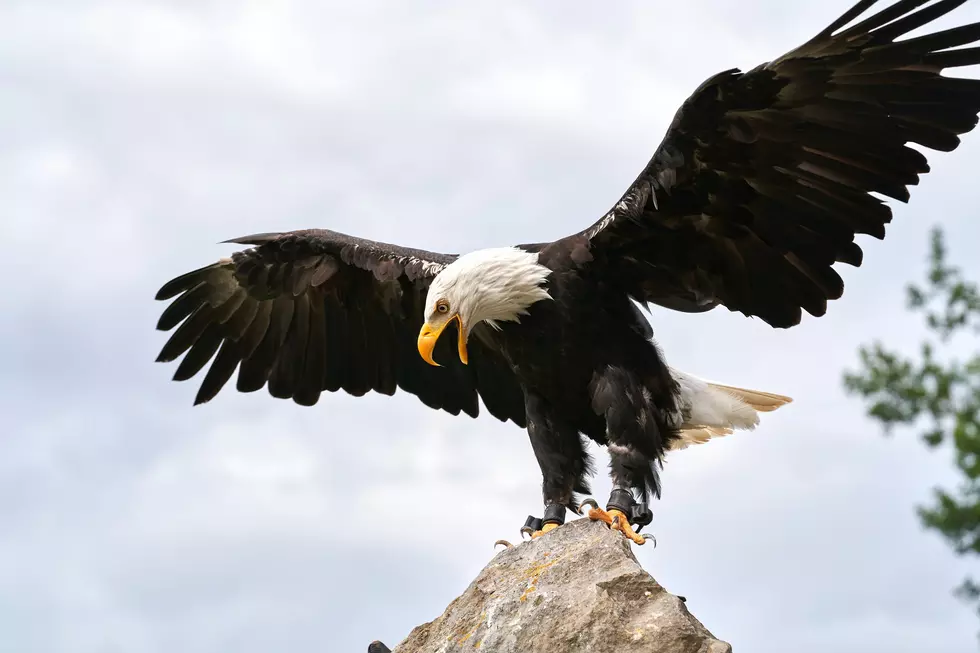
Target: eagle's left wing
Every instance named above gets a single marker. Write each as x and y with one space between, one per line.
765 177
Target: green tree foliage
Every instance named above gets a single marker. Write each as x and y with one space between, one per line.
938 395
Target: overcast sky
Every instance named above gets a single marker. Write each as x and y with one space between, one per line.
136 135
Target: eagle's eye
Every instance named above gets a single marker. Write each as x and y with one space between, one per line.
442 306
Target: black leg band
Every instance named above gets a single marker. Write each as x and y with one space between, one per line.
641 516
531 524
623 501
554 514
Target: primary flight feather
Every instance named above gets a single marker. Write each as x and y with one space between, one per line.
758 189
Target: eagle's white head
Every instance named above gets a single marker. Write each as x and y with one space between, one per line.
488 285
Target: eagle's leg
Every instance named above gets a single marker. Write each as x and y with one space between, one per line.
563 460
636 432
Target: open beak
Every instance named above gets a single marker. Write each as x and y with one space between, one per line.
429 335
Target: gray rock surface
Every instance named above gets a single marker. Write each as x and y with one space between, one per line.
576 589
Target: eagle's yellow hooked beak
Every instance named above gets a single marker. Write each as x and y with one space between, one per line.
430 334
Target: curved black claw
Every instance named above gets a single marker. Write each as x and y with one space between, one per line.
586 502
506 544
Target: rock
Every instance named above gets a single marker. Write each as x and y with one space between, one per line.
576 589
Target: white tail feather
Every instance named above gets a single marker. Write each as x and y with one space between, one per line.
713 410
763 402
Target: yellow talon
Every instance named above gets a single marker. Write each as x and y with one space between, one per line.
550 526
617 521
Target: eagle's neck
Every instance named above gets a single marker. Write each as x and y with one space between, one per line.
499 284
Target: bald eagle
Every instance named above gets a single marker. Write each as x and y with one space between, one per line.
758 189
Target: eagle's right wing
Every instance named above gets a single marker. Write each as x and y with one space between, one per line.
315 310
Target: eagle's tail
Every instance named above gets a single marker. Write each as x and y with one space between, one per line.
713 410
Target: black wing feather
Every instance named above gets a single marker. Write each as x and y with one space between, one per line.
764 178
310 311
312 378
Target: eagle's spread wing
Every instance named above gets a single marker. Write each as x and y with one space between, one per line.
764 178
315 310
